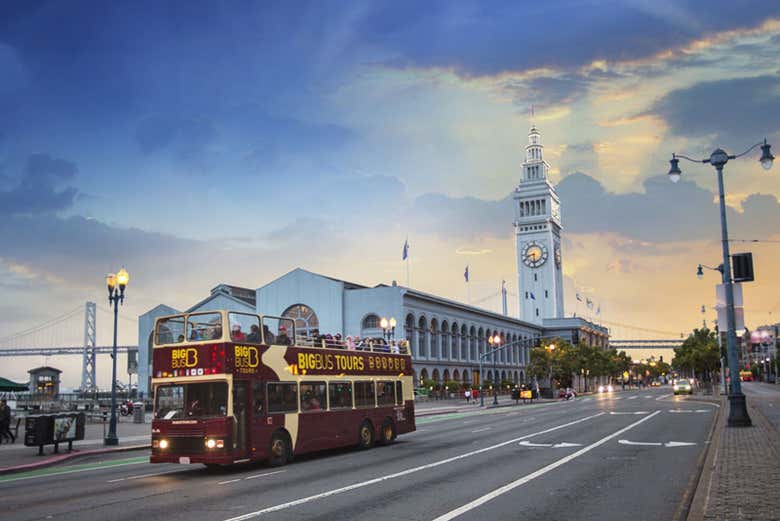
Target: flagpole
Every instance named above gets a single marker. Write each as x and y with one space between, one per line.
408 284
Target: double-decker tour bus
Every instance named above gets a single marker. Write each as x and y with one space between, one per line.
233 387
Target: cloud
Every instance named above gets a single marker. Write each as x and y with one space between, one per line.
37 191
664 212
736 111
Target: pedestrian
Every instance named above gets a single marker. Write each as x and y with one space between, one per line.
467 394
5 422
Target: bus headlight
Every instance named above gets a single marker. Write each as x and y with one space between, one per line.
163 444
215 444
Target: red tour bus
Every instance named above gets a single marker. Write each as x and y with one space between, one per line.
232 387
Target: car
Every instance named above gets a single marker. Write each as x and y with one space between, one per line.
682 387
655 383
606 388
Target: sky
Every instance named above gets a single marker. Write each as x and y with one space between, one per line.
198 143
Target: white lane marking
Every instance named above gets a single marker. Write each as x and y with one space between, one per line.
228 481
678 444
649 396
406 472
263 475
544 470
129 478
562 445
663 396
483 429
632 397
628 413
689 410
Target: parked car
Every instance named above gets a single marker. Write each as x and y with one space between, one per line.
682 387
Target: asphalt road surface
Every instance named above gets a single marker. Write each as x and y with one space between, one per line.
626 456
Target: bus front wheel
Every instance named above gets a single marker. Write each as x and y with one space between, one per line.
365 435
387 434
279 450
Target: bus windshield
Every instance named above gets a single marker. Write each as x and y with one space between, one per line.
193 400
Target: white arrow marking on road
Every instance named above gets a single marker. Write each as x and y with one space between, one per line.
529 444
624 413
657 444
561 445
626 442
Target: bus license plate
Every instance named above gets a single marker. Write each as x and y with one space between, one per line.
184 460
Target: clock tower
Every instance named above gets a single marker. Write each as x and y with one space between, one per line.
538 237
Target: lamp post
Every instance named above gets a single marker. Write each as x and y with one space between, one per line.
550 349
495 341
116 296
388 328
738 414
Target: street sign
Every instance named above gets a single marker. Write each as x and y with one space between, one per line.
743 267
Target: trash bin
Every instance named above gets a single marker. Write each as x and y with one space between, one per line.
138 412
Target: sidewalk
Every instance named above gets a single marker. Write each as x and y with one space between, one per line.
17 457
741 475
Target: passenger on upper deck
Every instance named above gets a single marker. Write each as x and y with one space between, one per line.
282 339
216 333
254 334
236 334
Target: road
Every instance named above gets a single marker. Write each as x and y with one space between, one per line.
627 456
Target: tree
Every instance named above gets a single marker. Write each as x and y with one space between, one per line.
699 354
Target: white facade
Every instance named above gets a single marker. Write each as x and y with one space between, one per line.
538 238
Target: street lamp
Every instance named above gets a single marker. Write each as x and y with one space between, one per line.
495 340
550 348
738 414
388 328
116 296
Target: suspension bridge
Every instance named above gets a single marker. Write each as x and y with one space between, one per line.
72 333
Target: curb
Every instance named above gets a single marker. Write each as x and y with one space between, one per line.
66 457
691 503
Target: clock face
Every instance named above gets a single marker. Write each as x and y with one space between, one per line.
534 254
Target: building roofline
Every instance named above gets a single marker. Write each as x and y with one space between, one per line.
469 308
214 295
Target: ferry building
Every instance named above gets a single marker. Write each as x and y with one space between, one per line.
446 337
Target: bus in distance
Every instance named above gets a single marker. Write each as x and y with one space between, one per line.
234 387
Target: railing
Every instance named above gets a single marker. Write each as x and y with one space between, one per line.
374 345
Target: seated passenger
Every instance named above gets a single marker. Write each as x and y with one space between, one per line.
254 334
282 339
236 334
267 336
394 347
216 333
180 339
195 335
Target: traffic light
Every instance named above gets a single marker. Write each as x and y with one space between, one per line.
743 267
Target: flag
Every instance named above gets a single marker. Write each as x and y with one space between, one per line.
406 250
466 273
598 310
578 297
532 296
589 303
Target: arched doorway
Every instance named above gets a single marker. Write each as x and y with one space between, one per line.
436 377
456 376
423 376
422 347
446 375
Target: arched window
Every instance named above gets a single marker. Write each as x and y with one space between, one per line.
371 322
306 321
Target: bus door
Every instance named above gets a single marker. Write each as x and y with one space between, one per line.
240 413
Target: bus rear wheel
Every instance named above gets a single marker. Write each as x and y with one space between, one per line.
365 435
278 450
387 435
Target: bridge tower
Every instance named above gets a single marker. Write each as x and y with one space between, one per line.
88 380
